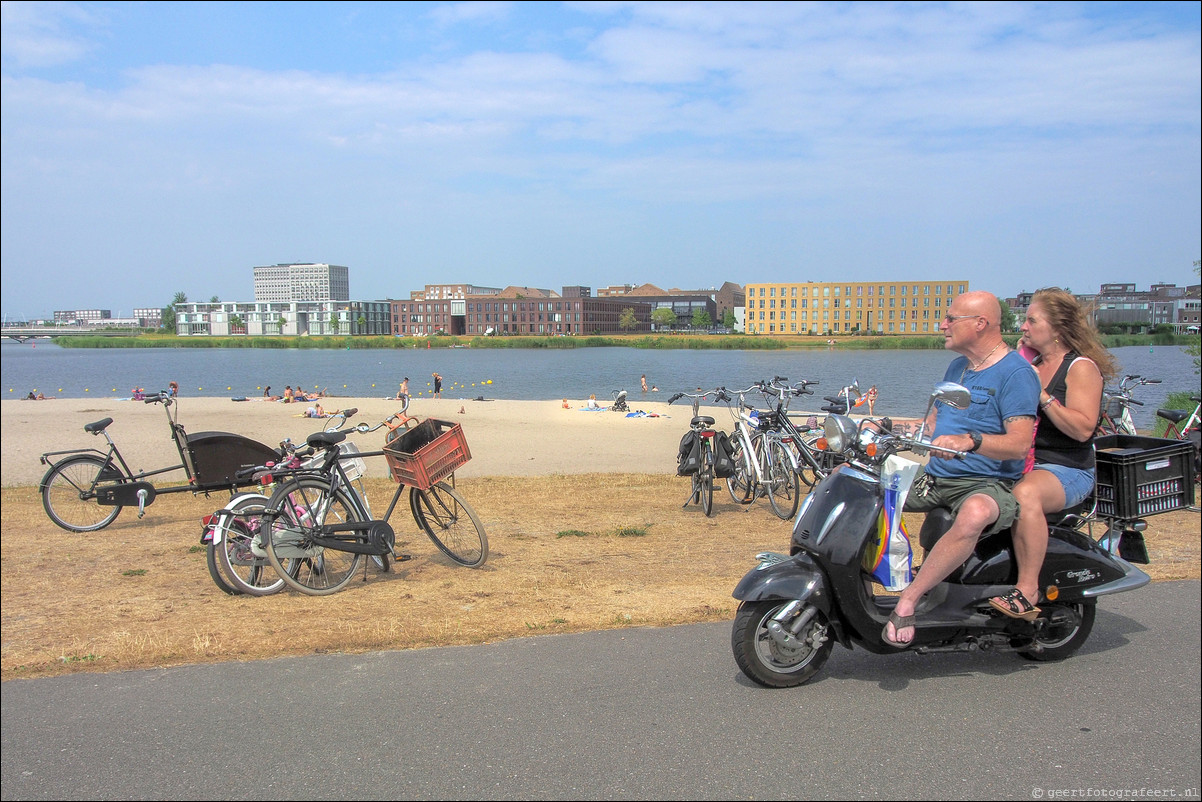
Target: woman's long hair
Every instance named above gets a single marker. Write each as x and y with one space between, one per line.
1071 322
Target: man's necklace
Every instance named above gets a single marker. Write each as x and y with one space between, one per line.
978 365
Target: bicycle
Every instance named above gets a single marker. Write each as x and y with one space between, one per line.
764 466
85 490
1184 425
813 464
318 528
701 429
1116 407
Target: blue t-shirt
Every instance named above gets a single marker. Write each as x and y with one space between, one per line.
1006 389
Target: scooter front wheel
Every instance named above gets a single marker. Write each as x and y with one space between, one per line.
771 652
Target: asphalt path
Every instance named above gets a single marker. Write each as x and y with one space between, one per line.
631 714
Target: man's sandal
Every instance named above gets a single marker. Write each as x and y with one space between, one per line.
899 623
1015 605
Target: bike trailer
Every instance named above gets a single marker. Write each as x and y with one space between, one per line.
217 457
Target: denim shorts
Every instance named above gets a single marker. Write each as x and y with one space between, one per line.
1077 482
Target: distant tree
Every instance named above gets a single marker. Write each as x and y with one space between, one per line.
728 318
702 319
1007 316
335 323
214 300
627 320
236 322
663 317
168 315
362 321
283 321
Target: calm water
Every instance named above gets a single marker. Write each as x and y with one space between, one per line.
903 378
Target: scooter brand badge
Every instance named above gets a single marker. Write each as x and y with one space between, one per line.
1079 576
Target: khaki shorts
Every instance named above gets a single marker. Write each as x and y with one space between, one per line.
930 492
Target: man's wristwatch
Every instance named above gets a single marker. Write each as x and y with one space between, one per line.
976 441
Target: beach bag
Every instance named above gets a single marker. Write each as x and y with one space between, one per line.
889 556
688 459
724 457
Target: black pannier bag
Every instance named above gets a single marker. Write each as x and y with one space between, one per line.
724 461
688 460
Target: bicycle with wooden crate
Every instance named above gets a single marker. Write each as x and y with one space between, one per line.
317 527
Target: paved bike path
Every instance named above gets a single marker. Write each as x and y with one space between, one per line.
639 713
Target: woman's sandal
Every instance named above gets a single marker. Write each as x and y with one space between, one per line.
899 623
1015 605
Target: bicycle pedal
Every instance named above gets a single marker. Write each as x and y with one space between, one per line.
401 558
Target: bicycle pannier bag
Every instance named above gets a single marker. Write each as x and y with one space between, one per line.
724 460
688 460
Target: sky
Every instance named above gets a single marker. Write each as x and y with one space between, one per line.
155 148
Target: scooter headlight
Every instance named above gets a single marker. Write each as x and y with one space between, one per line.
840 432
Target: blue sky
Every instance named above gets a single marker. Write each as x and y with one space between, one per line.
150 148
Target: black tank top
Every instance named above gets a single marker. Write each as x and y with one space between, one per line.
1053 445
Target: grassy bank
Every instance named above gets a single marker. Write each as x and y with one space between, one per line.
722 342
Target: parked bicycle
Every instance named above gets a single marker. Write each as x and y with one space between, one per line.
698 456
318 528
813 464
1116 406
85 489
1185 425
764 465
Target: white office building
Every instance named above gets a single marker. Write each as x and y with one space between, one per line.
290 283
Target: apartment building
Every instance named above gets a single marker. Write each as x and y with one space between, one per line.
814 307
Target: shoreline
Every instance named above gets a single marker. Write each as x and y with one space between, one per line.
506 438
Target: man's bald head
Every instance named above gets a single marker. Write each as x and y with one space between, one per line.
985 304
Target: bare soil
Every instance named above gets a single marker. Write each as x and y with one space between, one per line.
569 553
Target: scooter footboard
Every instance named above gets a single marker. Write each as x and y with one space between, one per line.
778 576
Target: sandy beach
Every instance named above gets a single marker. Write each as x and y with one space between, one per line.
506 438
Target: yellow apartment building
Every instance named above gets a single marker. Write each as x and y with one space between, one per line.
828 307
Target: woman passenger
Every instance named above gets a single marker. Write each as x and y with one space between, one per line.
1072 364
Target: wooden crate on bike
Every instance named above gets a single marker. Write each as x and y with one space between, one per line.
427 453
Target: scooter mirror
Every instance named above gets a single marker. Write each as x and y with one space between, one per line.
952 394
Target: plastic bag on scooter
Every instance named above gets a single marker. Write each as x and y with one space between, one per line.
889 556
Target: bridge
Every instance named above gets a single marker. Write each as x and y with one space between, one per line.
24 333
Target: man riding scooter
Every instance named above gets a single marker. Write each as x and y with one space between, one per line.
996 430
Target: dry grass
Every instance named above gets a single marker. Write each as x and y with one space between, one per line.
568 554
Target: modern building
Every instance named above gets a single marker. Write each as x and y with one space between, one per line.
81 317
285 283
295 318
817 307
527 311
1121 305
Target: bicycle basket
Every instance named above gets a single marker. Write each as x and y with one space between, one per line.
354 465
427 453
1112 406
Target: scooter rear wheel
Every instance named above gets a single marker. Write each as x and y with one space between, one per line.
1065 628
768 661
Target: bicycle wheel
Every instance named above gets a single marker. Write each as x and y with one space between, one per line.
302 506
739 484
243 563
68 493
705 478
784 484
808 470
451 523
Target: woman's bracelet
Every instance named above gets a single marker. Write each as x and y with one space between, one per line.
1048 403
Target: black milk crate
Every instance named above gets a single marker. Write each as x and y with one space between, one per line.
1142 476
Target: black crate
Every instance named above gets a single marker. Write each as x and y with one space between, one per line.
1142 476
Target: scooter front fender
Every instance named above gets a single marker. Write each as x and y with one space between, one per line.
778 576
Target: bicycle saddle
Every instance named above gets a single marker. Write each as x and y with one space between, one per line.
325 439
1174 415
702 420
97 427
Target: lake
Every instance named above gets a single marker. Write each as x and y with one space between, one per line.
903 378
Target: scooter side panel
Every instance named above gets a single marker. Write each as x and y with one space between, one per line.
1073 563
797 578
